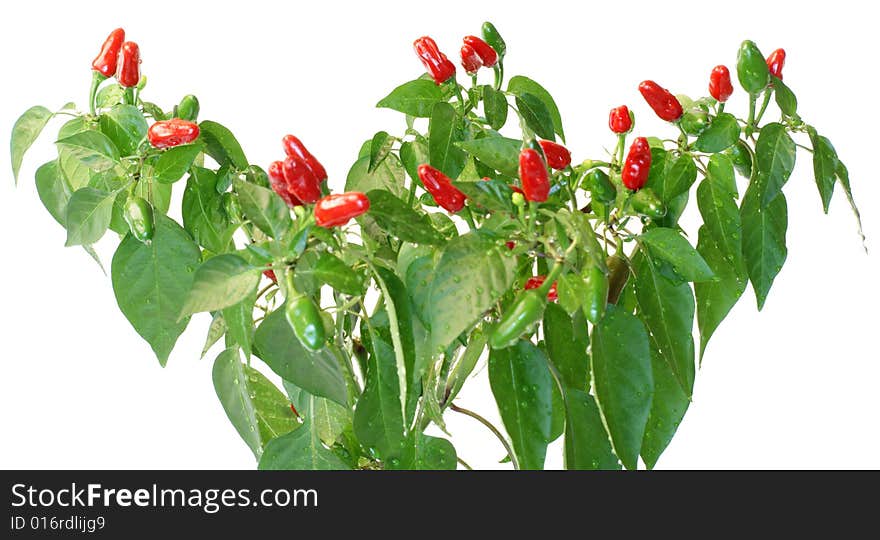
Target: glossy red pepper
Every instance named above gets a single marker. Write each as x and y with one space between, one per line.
440 187
128 69
301 181
271 275
637 165
535 282
440 68
174 132
338 209
469 60
661 100
106 61
775 62
295 148
487 54
533 175
720 87
619 120
279 184
292 408
558 156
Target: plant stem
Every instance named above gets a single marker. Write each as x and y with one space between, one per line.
491 428
750 123
97 78
767 94
464 464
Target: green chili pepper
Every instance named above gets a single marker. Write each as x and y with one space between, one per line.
305 319
598 183
647 203
188 109
695 120
526 311
493 38
751 68
742 158
138 214
618 275
597 293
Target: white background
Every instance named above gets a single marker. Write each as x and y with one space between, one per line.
795 386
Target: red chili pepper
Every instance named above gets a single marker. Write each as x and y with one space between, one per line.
301 181
487 54
105 62
619 120
533 175
295 148
271 275
637 165
440 187
775 62
661 100
440 68
279 184
720 87
292 408
469 60
535 282
338 209
510 244
174 132
558 156
128 69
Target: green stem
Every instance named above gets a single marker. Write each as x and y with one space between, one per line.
750 123
469 217
491 428
767 94
97 79
499 75
464 464
128 96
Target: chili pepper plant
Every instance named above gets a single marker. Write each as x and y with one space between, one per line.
451 244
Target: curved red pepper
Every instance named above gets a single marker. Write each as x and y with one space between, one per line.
440 68
775 62
619 120
295 148
661 100
469 60
106 61
174 132
637 165
558 156
533 175
128 69
720 87
440 187
338 209
271 275
301 181
279 184
535 282
487 54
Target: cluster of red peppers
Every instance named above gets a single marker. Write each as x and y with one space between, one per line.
119 58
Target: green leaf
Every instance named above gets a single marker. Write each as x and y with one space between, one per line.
415 98
493 194
495 106
317 373
331 270
159 195
535 114
668 407
203 214
567 341
667 310
239 322
473 273
175 162
222 145
721 134
109 182
257 409
679 177
220 282
522 386
263 208
715 299
670 247
418 276
843 176
572 291
764 229
519 85
433 454
151 283
785 98
25 131
623 379
378 417
499 153
389 175
715 199
92 149
825 165
587 446
774 158
125 126
380 146
660 160
150 109
413 154
88 216
444 131
327 418
75 172
400 220
299 450
53 191
109 96
216 331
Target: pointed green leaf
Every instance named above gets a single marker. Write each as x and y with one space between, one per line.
668 246
220 282
380 146
499 153
718 208
203 214
397 218
263 208
843 177
668 408
125 126
587 446
495 107
222 145
175 162
825 165
413 154
378 417
53 191
92 149
88 216
299 450
785 98
415 98
721 134
764 229
567 340
444 131
535 114
774 159
715 299
25 131
519 85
